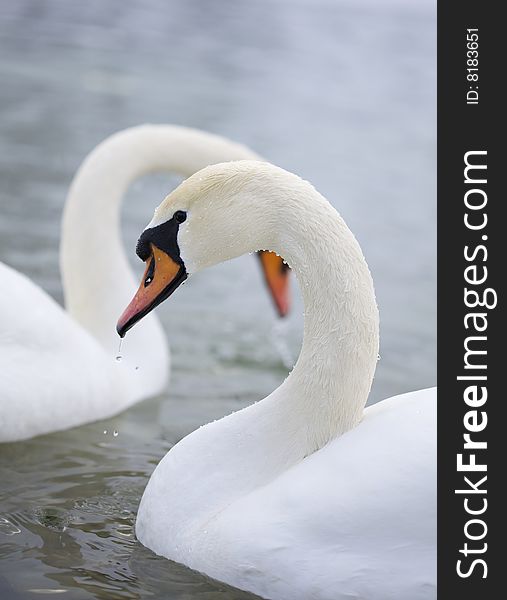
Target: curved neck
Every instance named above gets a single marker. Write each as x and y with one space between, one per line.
326 392
330 383
323 396
258 206
97 279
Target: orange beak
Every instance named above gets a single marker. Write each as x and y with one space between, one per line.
161 277
276 274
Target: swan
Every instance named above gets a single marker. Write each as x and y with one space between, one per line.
305 494
58 367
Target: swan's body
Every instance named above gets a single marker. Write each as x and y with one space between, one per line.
355 519
58 367
304 494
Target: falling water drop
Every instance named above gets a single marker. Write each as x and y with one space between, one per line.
115 433
119 355
378 356
105 431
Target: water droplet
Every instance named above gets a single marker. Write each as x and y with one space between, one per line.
119 357
119 345
115 433
378 356
105 431
137 368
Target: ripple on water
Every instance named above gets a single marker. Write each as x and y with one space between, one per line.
52 518
7 527
84 542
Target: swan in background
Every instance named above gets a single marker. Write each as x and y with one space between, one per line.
304 494
59 367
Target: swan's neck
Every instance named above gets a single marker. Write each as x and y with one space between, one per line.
323 396
97 279
257 206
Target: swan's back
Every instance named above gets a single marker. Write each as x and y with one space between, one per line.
52 373
354 520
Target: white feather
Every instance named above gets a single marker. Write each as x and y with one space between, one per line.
304 494
57 367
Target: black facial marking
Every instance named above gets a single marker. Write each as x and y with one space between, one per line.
164 237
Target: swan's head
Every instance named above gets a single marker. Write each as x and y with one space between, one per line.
211 217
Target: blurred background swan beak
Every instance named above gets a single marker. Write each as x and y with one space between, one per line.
277 276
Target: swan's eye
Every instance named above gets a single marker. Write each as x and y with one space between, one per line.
149 275
180 216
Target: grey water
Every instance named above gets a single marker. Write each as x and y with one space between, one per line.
341 92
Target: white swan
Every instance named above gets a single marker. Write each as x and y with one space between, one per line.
58 367
304 494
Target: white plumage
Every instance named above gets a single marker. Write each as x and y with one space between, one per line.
58 367
304 495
